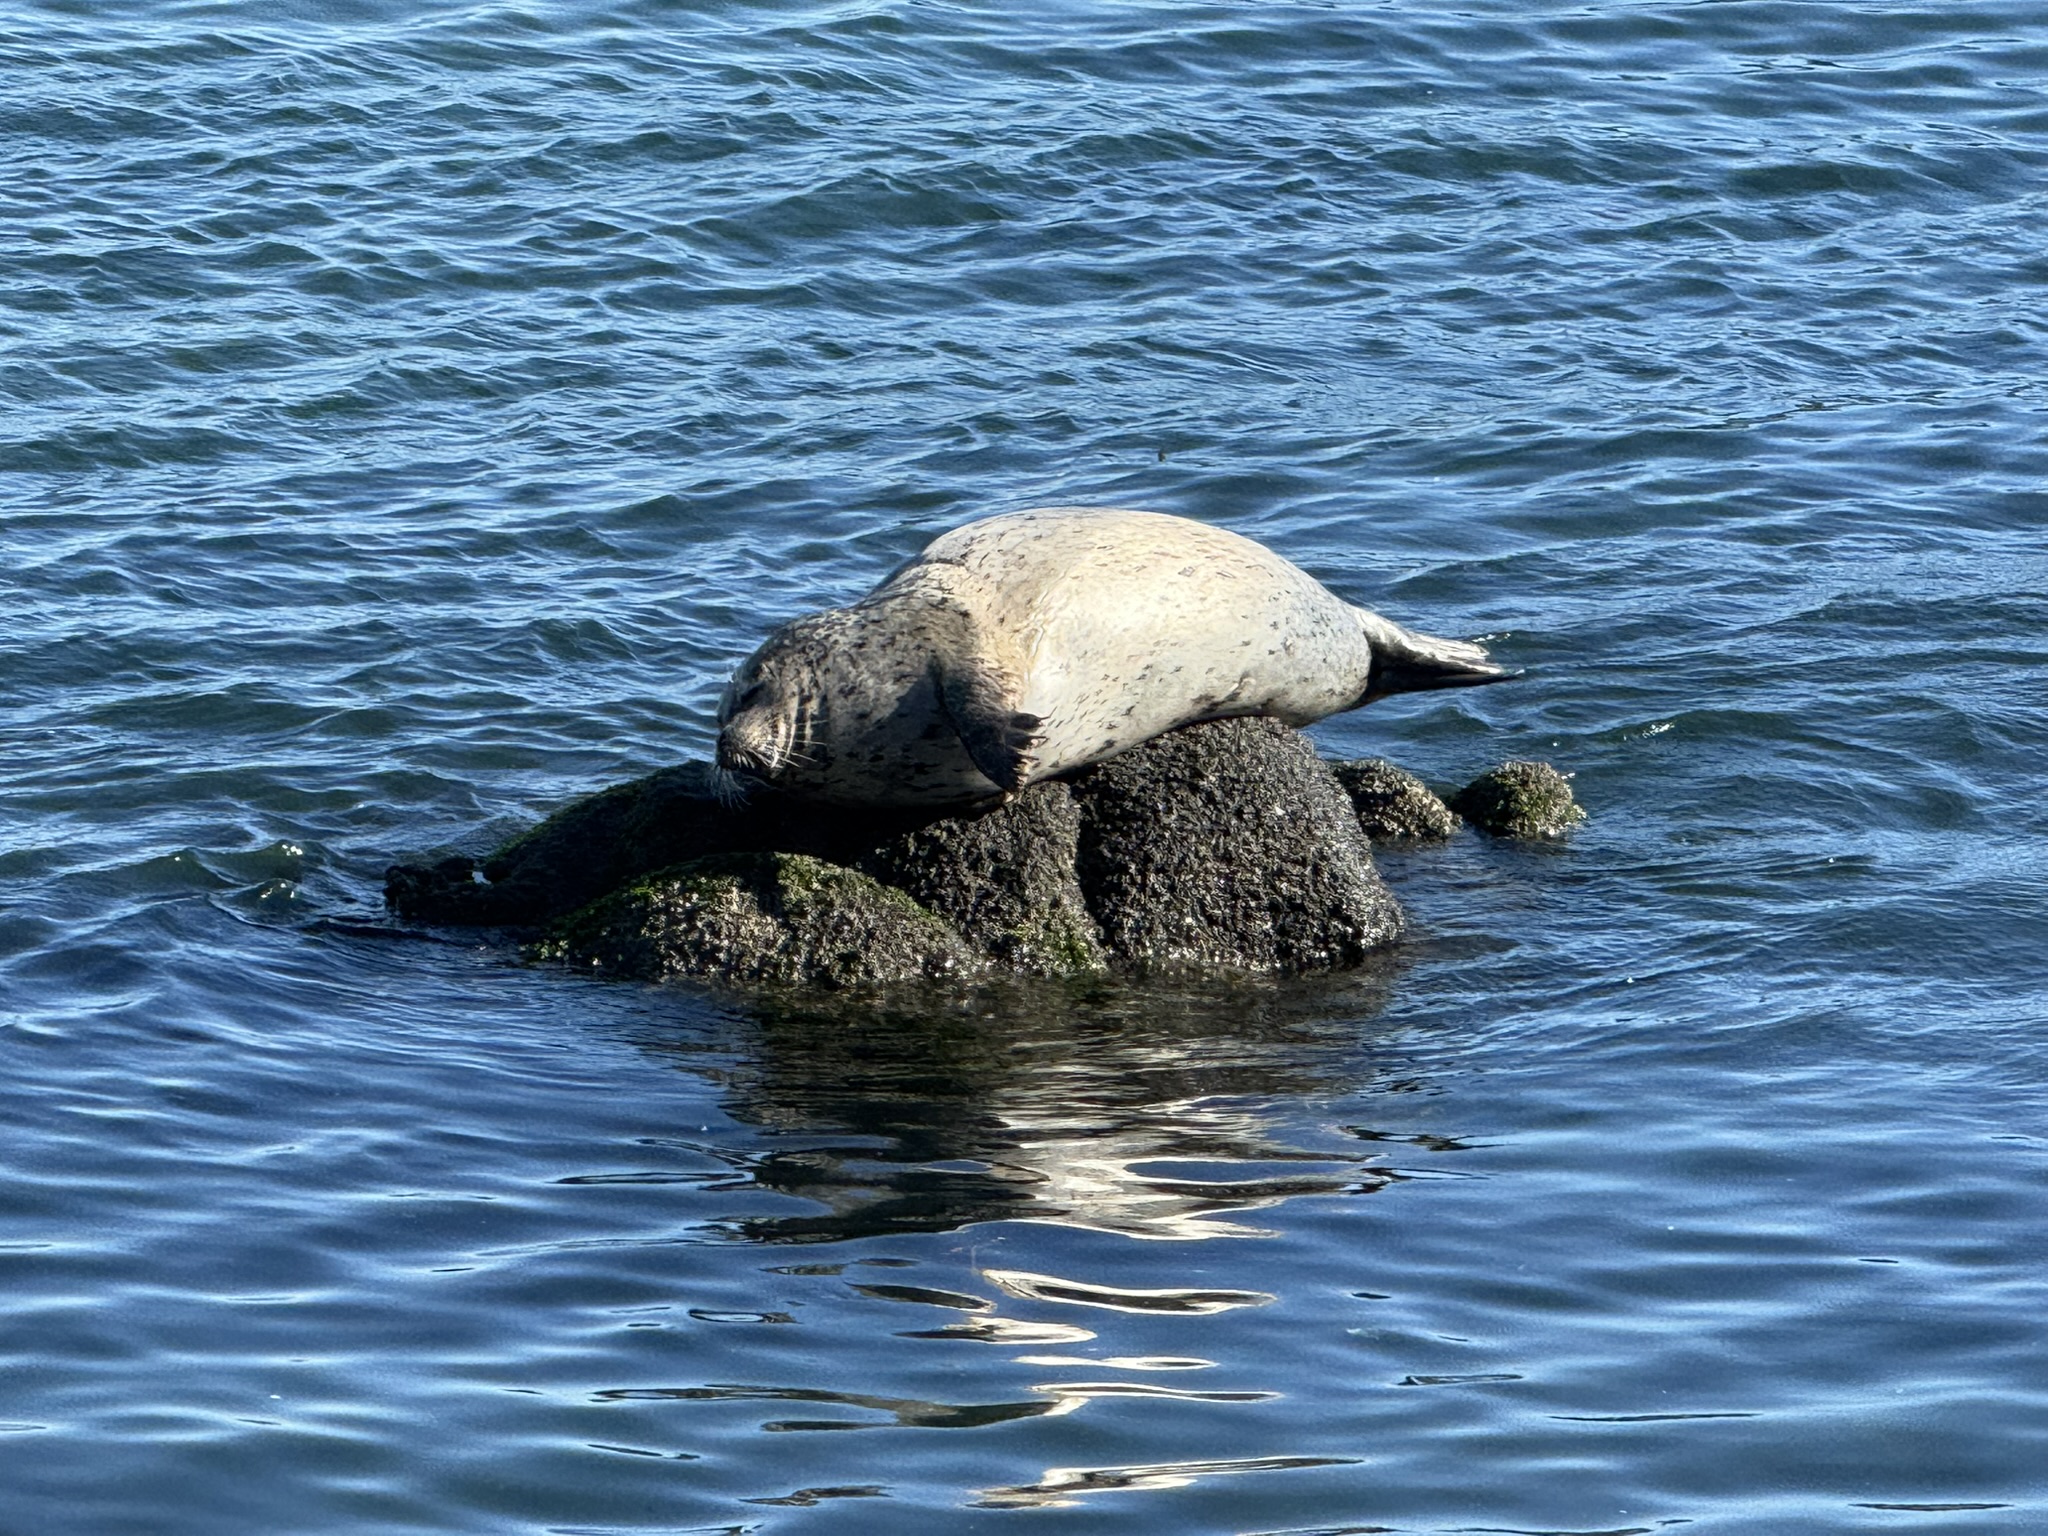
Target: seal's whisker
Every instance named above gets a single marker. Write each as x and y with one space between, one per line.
729 789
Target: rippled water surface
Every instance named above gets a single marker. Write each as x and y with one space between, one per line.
411 411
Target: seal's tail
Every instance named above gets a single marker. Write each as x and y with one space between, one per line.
1404 661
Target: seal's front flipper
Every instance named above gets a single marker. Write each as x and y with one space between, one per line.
977 696
975 672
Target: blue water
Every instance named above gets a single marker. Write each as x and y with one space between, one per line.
411 413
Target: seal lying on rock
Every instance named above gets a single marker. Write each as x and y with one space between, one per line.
1032 644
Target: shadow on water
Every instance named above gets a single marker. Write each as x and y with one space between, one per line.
1153 1111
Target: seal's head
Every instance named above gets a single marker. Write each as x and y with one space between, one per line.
768 715
756 727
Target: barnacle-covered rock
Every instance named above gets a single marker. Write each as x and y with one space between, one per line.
1520 799
1392 804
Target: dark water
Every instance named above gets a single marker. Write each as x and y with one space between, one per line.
410 413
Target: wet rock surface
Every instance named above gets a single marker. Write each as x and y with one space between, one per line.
1006 880
755 919
1392 804
1228 846
1520 800
600 842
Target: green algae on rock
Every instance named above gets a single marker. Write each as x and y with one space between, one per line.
1521 800
1392 804
754 919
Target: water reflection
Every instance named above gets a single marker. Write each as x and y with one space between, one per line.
906 1411
1149 1112
1064 1486
1193 1303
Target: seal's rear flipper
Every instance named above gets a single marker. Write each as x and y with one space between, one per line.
1404 661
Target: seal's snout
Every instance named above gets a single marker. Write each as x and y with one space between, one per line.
755 743
735 756
747 739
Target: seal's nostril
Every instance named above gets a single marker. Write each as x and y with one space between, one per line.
735 757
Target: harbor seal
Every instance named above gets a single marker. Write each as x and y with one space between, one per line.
1034 643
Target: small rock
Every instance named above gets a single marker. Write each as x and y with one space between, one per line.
750 919
1392 803
1519 799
